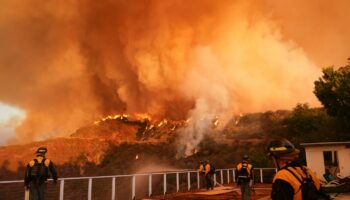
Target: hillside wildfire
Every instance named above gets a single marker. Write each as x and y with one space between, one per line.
128 98
94 140
91 141
120 144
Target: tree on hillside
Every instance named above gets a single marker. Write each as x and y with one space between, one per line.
304 120
333 90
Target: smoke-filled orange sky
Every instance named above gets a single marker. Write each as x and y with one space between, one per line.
68 63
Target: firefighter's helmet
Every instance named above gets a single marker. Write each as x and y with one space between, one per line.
41 150
245 157
281 148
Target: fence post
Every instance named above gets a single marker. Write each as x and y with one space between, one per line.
113 188
61 189
222 177
188 180
90 189
233 175
198 181
164 178
261 176
215 179
133 191
150 185
177 182
228 176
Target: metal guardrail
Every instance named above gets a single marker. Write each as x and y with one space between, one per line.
113 178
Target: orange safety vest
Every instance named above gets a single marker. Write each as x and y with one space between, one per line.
248 166
39 159
285 175
201 168
207 168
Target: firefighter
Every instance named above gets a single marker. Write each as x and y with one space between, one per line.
37 172
201 171
292 181
209 171
245 177
201 167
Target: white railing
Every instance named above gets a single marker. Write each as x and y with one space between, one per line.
219 172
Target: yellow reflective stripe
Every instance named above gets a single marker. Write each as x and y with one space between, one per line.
278 148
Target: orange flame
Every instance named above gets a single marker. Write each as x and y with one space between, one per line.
143 116
111 117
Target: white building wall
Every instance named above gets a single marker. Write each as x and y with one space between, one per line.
344 161
314 160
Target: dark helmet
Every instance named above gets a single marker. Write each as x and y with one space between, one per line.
245 157
281 148
201 162
41 150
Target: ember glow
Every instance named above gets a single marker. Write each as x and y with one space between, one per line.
143 116
67 64
109 117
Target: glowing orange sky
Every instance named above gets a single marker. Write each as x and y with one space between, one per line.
68 63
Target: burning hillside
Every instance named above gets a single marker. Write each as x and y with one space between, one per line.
93 140
123 144
126 128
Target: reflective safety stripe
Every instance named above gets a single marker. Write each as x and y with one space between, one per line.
278 148
242 176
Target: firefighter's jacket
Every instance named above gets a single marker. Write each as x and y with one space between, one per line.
207 168
201 168
50 170
249 169
286 186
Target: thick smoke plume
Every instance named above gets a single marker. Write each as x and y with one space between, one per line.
67 63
